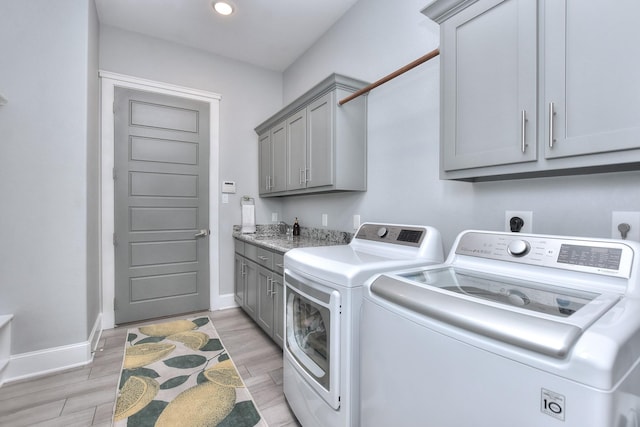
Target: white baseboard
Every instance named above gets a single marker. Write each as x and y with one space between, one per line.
5 343
47 361
51 360
223 301
96 333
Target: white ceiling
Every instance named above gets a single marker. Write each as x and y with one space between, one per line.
266 33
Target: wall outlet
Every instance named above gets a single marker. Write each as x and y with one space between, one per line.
631 218
356 222
526 216
325 220
274 216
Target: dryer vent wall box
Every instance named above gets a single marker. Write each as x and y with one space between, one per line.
228 186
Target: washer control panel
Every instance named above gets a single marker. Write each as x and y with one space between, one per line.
397 234
593 256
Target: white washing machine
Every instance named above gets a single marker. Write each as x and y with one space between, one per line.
512 330
323 294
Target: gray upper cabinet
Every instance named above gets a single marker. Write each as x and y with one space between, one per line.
489 75
320 142
273 155
297 150
325 143
529 88
266 162
592 77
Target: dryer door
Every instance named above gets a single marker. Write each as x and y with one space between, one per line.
312 335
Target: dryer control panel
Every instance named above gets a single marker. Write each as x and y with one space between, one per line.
605 257
398 234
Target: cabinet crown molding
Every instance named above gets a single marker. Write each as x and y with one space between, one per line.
441 10
334 81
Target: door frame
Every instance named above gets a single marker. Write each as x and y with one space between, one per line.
108 82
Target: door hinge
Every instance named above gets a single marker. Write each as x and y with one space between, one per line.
113 173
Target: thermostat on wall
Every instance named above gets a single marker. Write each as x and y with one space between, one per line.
228 186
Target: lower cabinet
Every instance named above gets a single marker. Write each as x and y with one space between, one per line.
270 315
259 289
245 290
279 310
238 282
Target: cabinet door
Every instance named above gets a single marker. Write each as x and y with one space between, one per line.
296 150
238 283
591 76
251 288
489 53
279 157
320 141
264 316
266 165
278 309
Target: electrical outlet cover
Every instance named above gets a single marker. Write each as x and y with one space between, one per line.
527 217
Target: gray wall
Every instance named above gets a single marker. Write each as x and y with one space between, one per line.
48 130
371 41
249 96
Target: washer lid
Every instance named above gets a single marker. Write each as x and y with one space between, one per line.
512 292
542 318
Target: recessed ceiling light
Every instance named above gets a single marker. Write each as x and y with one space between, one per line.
223 8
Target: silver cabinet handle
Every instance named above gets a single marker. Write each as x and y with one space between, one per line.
263 258
307 175
523 130
271 291
551 114
300 178
280 265
242 270
202 233
268 286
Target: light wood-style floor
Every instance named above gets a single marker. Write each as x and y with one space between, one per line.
85 396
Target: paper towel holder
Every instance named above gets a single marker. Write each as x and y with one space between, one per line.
248 224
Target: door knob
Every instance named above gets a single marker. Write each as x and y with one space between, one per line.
203 233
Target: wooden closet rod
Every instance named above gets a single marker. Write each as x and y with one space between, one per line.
391 76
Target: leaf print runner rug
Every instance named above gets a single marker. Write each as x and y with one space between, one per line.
178 373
